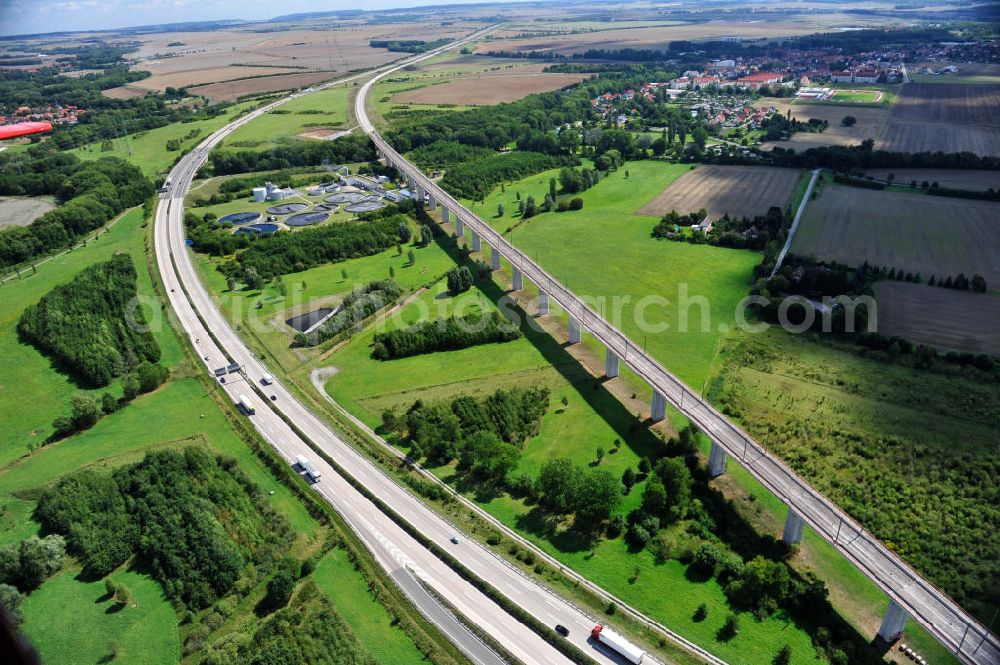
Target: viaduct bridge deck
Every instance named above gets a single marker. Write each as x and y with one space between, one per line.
907 590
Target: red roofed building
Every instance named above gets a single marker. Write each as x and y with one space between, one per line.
758 80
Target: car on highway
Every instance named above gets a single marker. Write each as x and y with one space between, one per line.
222 379
454 539
274 398
562 630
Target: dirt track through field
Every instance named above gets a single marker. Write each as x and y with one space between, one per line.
737 190
918 233
943 318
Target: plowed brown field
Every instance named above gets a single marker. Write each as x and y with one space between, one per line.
737 190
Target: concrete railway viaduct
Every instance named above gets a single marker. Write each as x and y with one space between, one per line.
910 595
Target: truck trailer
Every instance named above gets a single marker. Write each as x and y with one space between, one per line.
618 644
311 474
245 406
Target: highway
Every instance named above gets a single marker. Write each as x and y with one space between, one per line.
395 550
929 606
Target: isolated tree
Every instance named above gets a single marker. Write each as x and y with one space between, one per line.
411 257
500 210
552 188
628 479
848 121
343 273
784 656
86 410
600 454
597 495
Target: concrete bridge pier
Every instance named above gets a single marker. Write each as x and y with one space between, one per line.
477 242
411 183
494 258
432 203
444 215
517 278
575 330
717 459
659 409
793 528
543 303
611 364
459 227
893 622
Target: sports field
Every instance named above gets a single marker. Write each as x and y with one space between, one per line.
962 320
930 235
740 191
857 96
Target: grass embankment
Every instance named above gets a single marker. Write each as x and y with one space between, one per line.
148 149
64 617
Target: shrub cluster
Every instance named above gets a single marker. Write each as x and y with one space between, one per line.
456 332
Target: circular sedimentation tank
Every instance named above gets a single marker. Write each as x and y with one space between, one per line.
287 208
238 218
365 206
307 218
259 229
346 197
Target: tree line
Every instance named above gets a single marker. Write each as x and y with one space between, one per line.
476 179
455 332
280 253
84 324
90 193
193 521
487 432
733 232
349 149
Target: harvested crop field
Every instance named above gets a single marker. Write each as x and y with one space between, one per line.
737 190
870 122
972 179
21 211
202 58
488 89
945 117
962 320
124 92
917 233
231 90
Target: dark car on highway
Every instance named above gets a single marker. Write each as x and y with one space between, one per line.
562 630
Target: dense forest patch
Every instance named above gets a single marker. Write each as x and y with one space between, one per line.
194 521
85 324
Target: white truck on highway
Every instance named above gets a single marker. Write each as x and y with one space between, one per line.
306 467
245 406
266 379
618 644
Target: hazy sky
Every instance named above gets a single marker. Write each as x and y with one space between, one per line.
32 16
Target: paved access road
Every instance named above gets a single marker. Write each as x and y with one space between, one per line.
401 555
928 605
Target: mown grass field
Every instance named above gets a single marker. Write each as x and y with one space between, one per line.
148 148
608 233
72 621
326 109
